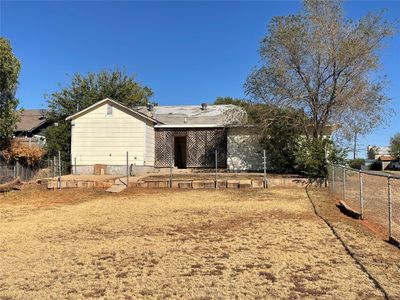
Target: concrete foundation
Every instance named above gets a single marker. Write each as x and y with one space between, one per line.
113 170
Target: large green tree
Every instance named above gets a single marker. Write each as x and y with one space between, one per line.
281 131
83 91
395 146
9 72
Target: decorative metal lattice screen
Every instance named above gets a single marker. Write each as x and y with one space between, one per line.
201 146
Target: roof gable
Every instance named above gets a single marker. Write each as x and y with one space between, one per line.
116 104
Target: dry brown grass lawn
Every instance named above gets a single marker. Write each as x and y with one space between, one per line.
194 244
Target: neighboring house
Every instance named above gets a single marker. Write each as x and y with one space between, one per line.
374 152
156 136
382 155
386 161
31 126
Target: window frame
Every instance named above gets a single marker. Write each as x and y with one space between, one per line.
109 110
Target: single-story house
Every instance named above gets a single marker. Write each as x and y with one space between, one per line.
158 136
31 126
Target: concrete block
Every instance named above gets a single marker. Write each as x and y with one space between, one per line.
209 184
158 184
90 184
257 183
51 184
232 184
245 184
177 182
184 185
203 184
197 184
142 184
221 184
272 182
85 184
70 184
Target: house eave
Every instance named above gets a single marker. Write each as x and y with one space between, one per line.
189 126
101 102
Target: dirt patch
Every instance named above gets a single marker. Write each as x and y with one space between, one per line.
38 195
365 240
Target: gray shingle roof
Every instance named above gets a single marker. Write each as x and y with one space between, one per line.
224 115
31 119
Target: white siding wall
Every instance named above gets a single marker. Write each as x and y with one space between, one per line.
244 151
150 144
100 139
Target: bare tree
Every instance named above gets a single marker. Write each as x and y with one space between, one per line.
321 62
359 122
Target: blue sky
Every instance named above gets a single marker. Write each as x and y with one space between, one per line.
187 52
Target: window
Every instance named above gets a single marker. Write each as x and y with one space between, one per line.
109 110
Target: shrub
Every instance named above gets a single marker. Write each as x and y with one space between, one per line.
23 153
376 166
357 163
313 156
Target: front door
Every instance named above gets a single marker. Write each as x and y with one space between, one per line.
180 149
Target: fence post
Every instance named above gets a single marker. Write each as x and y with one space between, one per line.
59 169
360 175
216 167
127 168
170 170
75 165
265 169
49 167
390 206
344 184
54 166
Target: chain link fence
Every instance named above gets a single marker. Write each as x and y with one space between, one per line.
7 172
373 196
46 168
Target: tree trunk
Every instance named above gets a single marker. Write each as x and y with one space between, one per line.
355 146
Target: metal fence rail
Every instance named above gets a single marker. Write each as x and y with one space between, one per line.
375 196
